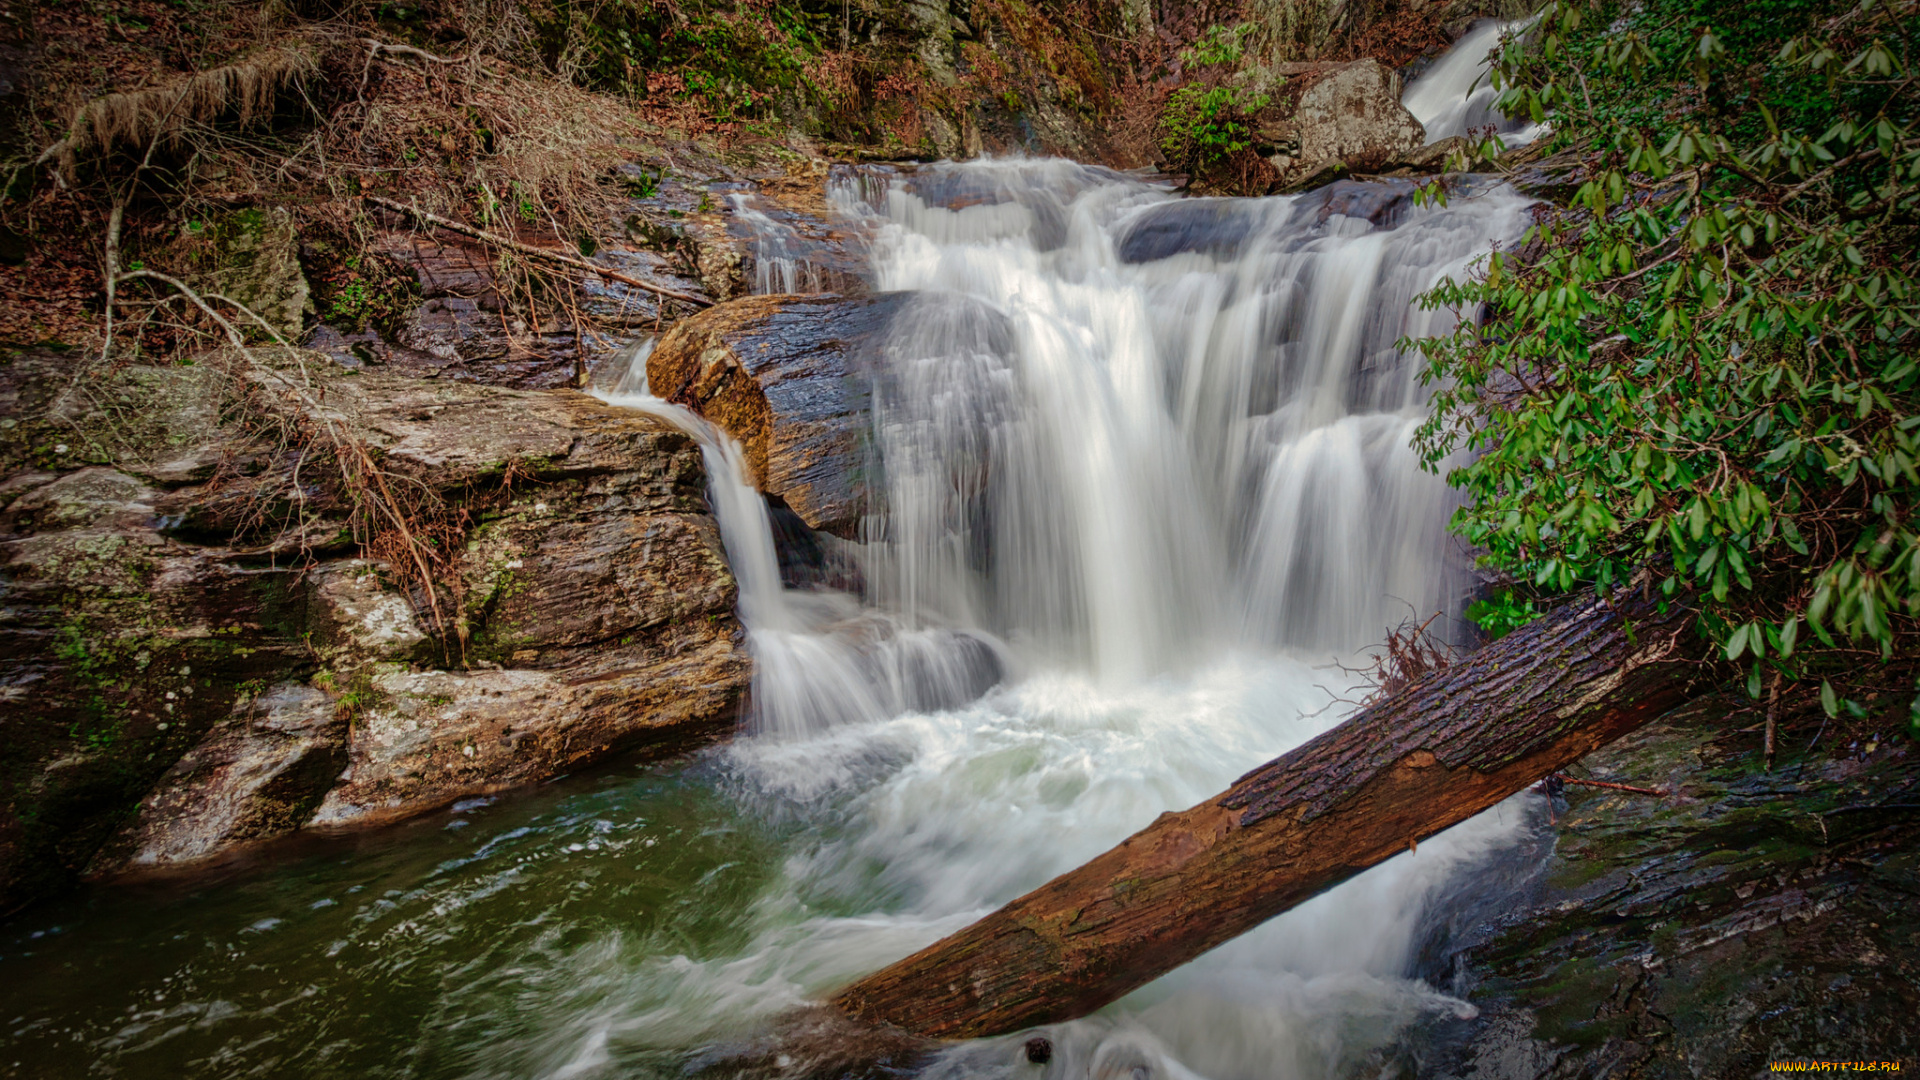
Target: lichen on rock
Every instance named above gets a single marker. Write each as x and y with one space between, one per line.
257 263
1346 114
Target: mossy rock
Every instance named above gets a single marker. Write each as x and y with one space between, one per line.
258 264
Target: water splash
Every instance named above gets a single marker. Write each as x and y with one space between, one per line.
820 657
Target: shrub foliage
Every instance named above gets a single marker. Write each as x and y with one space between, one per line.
1705 364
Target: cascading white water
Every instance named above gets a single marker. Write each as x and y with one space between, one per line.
1127 430
778 265
1455 95
820 658
1146 462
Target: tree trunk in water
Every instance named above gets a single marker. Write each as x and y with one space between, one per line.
1401 770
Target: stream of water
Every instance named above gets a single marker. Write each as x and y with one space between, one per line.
1456 96
1147 476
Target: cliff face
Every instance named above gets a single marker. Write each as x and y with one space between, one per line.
198 655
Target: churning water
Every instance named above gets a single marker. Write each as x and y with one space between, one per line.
1146 475
1145 465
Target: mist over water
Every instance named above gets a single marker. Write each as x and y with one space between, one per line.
1146 476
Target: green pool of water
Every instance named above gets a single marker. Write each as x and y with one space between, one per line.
436 949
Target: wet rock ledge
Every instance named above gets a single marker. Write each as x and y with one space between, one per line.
1750 916
198 653
789 378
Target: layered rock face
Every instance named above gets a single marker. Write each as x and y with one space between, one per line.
198 653
789 378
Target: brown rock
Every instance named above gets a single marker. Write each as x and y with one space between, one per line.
462 329
718 256
119 650
790 378
257 256
427 738
590 611
594 599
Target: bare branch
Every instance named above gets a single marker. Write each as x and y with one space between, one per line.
533 252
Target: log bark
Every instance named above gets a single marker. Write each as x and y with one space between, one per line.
1397 772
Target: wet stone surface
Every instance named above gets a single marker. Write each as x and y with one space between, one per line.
789 378
1215 227
1752 917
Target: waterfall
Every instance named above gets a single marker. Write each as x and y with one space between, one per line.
1145 465
1129 430
778 263
1142 489
1456 97
820 658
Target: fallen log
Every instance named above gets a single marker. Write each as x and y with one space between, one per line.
1399 771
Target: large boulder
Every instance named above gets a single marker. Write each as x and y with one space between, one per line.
791 379
198 653
1346 115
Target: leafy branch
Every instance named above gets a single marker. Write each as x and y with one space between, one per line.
1707 362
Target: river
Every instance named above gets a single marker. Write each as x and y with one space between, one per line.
1146 467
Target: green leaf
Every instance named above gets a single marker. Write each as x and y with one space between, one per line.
1737 642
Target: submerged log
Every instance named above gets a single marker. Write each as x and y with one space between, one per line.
1401 770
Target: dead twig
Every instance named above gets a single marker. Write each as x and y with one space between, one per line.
358 469
1565 779
375 48
530 251
407 50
